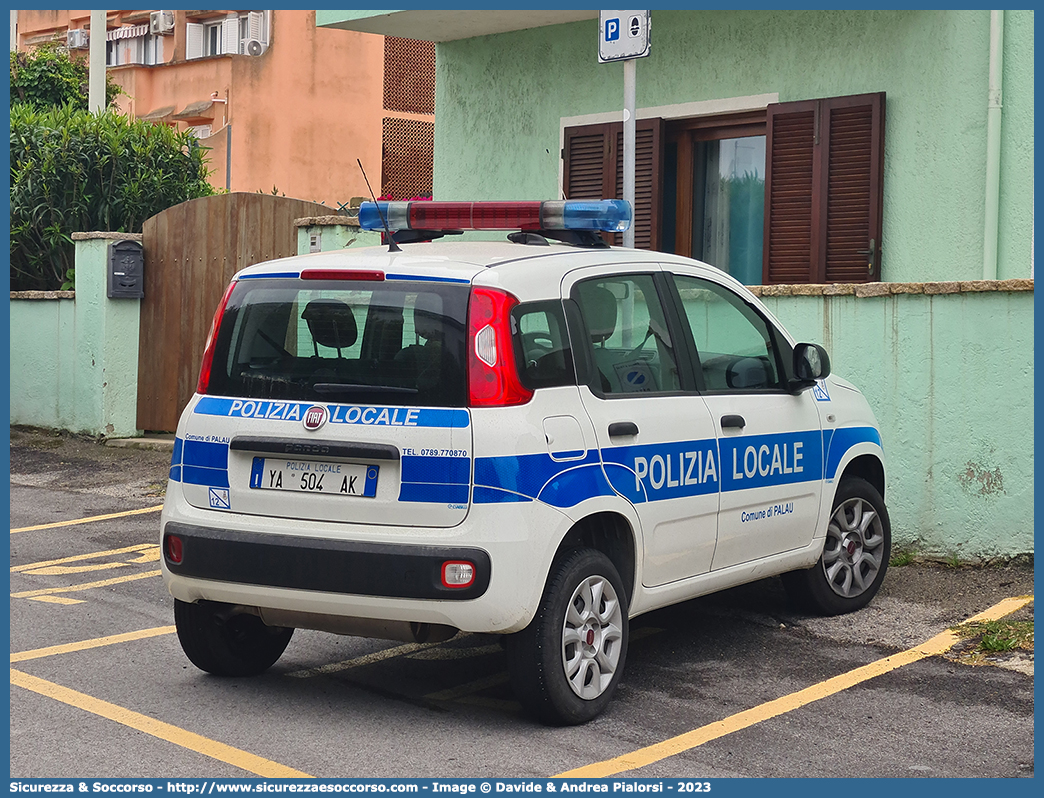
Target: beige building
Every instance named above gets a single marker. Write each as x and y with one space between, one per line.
283 106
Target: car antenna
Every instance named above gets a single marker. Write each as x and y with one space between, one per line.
392 246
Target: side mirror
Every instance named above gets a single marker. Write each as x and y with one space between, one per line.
811 363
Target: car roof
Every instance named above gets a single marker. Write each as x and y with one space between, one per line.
464 260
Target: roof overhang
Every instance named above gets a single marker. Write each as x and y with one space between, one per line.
443 26
199 111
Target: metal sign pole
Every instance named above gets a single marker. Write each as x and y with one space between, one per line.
624 36
630 69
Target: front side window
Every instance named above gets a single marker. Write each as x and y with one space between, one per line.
734 346
630 344
343 342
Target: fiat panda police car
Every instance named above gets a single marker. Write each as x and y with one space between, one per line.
542 438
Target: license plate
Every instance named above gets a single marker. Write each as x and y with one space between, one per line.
314 476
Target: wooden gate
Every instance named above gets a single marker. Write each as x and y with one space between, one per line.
191 252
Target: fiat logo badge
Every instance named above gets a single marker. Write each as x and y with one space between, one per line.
315 417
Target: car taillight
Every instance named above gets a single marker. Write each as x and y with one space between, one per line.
492 375
208 352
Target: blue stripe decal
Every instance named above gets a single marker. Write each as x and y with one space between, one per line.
212 477
571 487
442 470
494 496
437 494
426 279
175 473
361 415
843 440
208 455
755 461
271 274
538 476
175 457
659 471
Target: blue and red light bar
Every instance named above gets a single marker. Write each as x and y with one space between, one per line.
612 216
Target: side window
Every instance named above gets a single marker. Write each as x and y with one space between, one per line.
734 346
630 344
542 345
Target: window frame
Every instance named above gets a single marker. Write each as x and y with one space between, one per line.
780 345
819 206
684 133
585 364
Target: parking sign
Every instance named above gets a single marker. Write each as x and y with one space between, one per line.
622 35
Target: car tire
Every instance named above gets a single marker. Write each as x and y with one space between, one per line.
567 663
855 554
228 644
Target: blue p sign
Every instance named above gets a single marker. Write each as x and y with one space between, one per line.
612 29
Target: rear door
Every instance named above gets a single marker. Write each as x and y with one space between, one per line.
654 432
336 400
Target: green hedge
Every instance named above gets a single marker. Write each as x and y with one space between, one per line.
73 171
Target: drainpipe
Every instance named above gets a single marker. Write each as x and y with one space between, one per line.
993 146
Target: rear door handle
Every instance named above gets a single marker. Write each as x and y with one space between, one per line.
622 428
732 421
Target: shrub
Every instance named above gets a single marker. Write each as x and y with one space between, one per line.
73 171
46 77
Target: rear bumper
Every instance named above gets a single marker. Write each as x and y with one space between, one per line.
324 565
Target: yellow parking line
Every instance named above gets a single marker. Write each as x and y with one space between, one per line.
78 557
742 720
85 586
88 519
164 731
96 642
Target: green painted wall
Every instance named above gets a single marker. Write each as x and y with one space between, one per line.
950 379
74 362
500 98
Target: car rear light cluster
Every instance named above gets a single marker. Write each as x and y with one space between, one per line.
457 574
493 379
208 351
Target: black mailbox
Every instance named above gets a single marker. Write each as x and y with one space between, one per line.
126 270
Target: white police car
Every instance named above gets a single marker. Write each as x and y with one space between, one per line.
542 437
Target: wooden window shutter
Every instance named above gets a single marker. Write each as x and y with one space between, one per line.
823 190
594 170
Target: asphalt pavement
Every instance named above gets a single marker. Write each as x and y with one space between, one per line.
101 688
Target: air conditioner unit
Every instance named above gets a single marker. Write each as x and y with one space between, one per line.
161 23
255 47
77 39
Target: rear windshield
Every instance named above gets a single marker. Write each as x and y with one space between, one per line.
348 342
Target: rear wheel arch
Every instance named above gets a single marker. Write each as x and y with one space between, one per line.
609 533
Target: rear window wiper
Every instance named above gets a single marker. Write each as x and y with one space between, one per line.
343 387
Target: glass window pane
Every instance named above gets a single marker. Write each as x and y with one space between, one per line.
631 347
732 341
281 339
729 205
